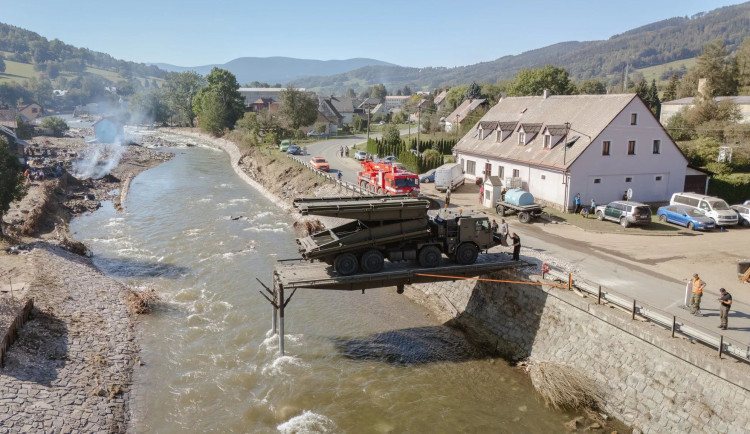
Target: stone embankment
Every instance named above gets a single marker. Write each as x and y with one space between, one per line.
649 380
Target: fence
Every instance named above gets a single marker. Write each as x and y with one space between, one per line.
721 343
332 177
10 335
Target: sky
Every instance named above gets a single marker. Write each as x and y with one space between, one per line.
415 33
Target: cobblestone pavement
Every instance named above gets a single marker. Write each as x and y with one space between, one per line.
70 369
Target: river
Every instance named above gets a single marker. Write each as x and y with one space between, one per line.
373 362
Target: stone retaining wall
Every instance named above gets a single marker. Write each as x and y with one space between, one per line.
651 381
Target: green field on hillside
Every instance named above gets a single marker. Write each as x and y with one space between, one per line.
19 72
655 72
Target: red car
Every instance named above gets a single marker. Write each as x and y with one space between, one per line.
319 163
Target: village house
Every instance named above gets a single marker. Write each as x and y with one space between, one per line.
8 118
556 146
16 145
395 101
253 94
670 108
31 111
328 110
344 106
264 104
440 99
459 114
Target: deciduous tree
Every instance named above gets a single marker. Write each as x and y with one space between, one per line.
592 87
57 125
298 108
535 81
180 91
220 103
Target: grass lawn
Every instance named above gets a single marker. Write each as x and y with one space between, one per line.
592 224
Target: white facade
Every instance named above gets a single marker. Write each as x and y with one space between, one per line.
392 102
653 176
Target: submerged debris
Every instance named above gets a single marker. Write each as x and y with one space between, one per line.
140 302
563 386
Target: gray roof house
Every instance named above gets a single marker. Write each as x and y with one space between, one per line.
459 114
670 108
595 145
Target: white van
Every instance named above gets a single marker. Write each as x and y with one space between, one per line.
447 174
715 208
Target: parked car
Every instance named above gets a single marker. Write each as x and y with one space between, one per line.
428 176
285 144
319 163
747 202
388 159
360 155
714 207
312 133
625 212
294 150
689 217
743 213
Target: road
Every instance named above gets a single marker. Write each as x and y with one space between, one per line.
608 260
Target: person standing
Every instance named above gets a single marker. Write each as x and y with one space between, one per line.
494 226
695 299
504 231
592 209
725 302
577 202
447 197
516 245
481 194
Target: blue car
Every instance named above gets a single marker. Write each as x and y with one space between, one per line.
428 176
689 217
294 150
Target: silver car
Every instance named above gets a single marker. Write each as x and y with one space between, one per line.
743 214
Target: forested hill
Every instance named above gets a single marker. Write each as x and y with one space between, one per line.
279 69
649 45
24 46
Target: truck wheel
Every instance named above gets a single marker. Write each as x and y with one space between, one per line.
346 264
500 210
524 217
372 261
466 254
624 222
429 256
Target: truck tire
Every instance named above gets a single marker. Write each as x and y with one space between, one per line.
371 261
466 254
500 210
429 256
346 264
524 217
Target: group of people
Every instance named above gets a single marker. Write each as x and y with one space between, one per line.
504 231
582 209
725 300
343 151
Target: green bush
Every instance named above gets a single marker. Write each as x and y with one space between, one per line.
734 188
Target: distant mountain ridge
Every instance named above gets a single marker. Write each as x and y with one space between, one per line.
653 44
279 69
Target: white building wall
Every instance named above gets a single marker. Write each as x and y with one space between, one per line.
644 168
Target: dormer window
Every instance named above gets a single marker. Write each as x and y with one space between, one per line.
527 133
521 138
553 134
547 141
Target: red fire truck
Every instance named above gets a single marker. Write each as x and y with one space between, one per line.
384 178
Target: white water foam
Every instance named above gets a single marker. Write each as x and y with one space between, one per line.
308 422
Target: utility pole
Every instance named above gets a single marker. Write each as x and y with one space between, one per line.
419 125
368 123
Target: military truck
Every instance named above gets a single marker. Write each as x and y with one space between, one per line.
397 228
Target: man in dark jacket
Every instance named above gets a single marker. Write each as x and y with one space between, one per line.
725 302
516 245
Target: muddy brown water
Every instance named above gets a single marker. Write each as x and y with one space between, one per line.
376 362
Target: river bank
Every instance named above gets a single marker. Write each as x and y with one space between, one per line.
70 369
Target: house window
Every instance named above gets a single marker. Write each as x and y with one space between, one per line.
500 171
521 138
631 147
597 180
544 177
628 179
516 173
471 167
547 141
634 119
658 178
657 146
605 147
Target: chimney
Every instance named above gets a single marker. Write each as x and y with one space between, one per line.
546 93
703 90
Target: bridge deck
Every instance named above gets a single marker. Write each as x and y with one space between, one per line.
319 275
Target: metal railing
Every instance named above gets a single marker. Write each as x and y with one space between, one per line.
343 184
721 343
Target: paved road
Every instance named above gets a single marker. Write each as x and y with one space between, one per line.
595 263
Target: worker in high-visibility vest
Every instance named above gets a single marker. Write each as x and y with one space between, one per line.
695 299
